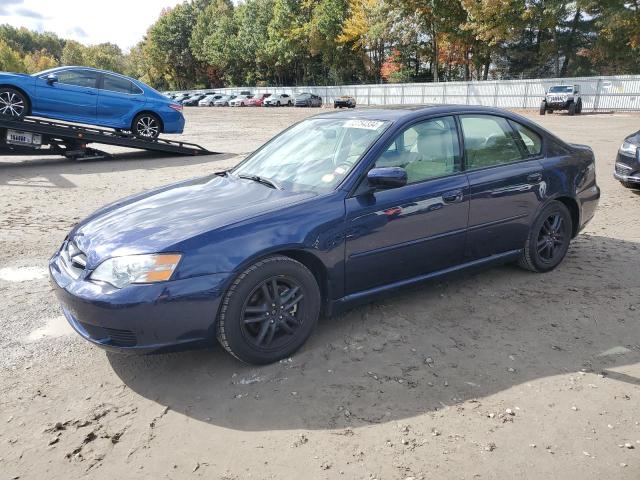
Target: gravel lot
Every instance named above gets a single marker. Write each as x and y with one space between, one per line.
495 374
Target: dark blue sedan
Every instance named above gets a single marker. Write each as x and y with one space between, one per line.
332 212
90 96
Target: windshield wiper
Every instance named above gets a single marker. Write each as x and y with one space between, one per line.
262 180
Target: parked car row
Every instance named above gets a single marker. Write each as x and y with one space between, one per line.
247 99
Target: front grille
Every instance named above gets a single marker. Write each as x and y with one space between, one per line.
74 260
556 99
113 336
622 169
121 338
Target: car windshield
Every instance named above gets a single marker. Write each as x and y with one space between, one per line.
561 89
316 154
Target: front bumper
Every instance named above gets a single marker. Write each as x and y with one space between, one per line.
627 169
173 315
557 105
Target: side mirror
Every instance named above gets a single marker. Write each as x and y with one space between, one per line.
387 177
51 78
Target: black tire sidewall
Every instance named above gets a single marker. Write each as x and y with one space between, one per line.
531 249
229 328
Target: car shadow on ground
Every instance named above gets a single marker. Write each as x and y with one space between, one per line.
50 171
437 344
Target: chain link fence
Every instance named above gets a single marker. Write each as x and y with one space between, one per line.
613 93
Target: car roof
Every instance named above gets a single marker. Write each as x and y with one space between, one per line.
406 112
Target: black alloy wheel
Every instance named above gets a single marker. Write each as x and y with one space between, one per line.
551 238
269 311
272 313
13 103
548 240
146 125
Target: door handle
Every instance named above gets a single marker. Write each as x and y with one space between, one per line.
534 177
452 197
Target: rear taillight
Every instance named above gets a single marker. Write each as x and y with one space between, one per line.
177 107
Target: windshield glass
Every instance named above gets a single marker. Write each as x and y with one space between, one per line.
561 89
316 154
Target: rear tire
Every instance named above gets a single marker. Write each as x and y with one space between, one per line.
269 311
548 239
579 106
146 125
13 103
543 108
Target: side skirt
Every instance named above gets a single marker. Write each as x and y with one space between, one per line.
366 296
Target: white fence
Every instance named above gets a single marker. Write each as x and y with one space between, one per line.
616 93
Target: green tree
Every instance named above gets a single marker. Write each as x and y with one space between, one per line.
10 60
168 47
39 61
214 42
73 53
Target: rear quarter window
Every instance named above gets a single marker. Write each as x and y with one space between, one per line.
532 141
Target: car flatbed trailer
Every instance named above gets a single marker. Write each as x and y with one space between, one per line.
28 136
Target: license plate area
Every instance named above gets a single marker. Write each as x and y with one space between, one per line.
29 139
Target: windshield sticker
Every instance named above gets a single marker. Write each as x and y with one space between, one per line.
365 124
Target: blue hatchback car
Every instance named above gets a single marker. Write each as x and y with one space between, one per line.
333 211
90 96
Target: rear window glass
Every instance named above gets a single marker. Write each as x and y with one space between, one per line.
117 84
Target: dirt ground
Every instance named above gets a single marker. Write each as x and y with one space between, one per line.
498 374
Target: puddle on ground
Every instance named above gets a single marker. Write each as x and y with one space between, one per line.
54 328
22 274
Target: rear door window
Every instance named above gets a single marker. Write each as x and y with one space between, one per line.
489 141
117 84
532 141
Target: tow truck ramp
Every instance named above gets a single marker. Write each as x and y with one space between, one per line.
31 136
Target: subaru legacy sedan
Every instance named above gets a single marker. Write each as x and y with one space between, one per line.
90 96
333 211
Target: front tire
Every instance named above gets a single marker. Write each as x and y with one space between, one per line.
13 103
146 125
579 106
548 239
543 108
572 109
269 311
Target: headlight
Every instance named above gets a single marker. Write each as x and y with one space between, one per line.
629 149
122 271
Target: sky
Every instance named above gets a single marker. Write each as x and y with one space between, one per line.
123 22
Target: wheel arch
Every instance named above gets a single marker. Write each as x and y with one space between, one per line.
23 92
149 112
306 258
572 205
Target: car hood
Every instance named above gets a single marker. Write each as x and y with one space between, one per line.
634 138
158 220
15 75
